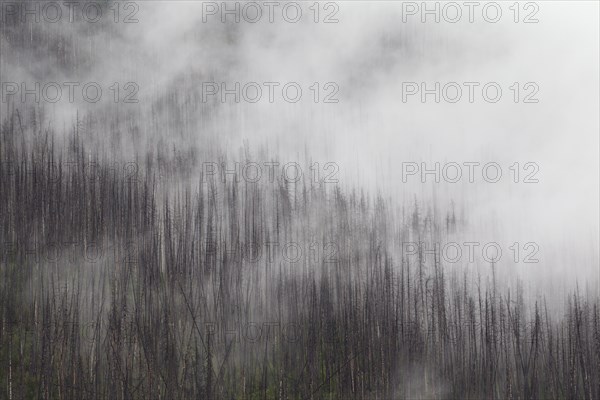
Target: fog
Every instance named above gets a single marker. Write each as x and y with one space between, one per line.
478 127
371 131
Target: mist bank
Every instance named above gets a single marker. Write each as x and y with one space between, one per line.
379 98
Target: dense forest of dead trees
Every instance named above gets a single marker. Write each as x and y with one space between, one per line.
149 280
